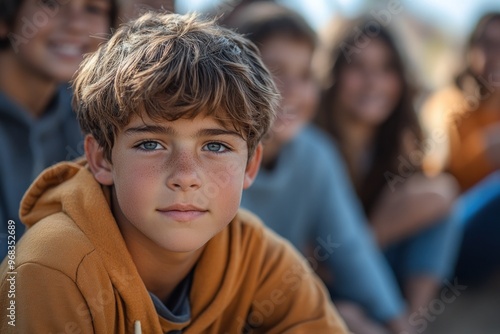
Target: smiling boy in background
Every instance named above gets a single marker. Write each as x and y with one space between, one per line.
41 46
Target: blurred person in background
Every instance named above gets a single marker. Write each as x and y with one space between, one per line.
303 191
367 107
41 46
467 114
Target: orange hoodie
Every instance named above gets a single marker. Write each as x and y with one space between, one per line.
75 275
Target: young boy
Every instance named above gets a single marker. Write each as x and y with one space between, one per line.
146 232
303 189
41 46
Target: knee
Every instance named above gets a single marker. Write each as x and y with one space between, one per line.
444 188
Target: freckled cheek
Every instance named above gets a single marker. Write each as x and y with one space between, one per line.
136 181
227 204
228 197
225 175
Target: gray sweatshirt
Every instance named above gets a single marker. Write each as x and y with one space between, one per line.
308 199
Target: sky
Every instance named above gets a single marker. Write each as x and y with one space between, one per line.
456 17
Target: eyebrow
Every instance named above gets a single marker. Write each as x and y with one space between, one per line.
157 129
217 132
166 130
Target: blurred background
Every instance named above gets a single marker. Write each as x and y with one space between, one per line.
432 37
434 31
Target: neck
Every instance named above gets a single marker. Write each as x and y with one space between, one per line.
357 140
160 270
31 91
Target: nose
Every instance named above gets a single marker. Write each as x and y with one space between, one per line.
74 17
184 175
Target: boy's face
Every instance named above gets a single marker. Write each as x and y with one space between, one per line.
50 37
289 61
175 184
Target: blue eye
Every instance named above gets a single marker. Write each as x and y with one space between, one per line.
215 147
49 3
149 146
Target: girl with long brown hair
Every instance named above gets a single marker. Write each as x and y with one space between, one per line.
367 107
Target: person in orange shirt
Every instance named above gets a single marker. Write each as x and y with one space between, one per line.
463 123
469 112
367 107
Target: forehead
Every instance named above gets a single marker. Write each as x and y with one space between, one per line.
285 40
375 51
285 49
199 121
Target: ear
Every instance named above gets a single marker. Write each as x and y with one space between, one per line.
98 164
253 166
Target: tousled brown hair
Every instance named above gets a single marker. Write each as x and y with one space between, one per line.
170 66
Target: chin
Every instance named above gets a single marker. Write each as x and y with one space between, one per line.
373 118
63 72
182 245
64 76
286 134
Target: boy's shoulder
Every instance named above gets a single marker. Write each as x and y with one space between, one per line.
246 225
255 241
249 235
56 243
248 219
64 211
260 268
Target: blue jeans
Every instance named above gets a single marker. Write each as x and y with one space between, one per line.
431 252
479 212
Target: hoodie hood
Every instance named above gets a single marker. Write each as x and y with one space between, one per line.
49 192
70 188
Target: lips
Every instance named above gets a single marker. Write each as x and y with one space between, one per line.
67 50
183 212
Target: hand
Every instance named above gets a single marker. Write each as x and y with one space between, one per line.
401 326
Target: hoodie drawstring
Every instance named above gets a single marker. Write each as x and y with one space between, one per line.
137 327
